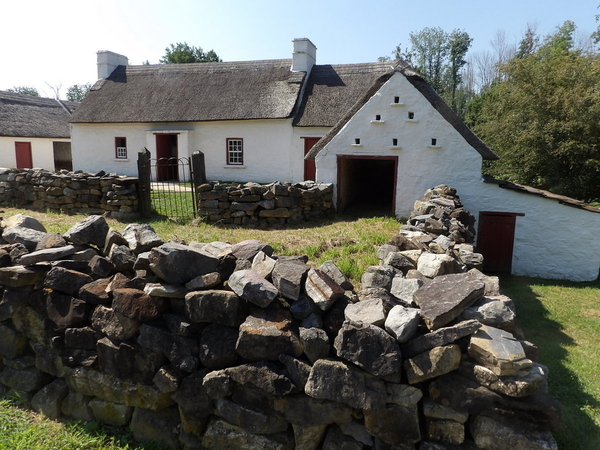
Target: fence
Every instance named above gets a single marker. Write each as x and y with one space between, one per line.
168 185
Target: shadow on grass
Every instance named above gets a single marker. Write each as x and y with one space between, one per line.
578 430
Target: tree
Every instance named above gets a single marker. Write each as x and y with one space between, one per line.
77 92
440 57
541 118
25 90
182 53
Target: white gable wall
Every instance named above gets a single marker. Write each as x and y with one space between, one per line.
420 165
551 240
42 151
273 149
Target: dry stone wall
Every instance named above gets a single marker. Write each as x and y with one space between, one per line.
69 192
253 204
219 346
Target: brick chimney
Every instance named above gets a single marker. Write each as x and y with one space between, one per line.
304 56
108 61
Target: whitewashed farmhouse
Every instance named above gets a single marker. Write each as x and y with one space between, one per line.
35 132
377 131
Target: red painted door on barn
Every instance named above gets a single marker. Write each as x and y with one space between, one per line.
495 240
23 155
310 170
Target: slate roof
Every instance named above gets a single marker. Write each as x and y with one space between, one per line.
193 92
424 88
28 116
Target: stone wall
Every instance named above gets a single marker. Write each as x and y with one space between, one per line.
272 204
212 345
69 192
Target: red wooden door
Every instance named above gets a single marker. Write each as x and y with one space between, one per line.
310 170
23 155
166 157
495 240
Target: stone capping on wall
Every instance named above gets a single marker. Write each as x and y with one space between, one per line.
253 204
213 345
69 192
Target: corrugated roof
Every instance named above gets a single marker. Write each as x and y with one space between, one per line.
423 87
28 116
193 92
540 193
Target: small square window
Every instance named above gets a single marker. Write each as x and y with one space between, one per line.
411 115
396 99
357 141
377 117
235 151
121 148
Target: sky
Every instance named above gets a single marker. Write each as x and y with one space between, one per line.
52 45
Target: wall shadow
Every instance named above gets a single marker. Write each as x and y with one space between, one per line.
578 429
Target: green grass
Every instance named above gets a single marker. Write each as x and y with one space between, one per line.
173 205
563 320
21 429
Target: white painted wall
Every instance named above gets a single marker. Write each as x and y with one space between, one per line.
420 166
551 240
273 149
42 151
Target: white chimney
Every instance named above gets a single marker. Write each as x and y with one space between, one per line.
108 61
304 56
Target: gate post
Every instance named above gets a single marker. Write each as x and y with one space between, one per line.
198 175
198 168
144 170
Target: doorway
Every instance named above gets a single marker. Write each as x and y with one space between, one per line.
310 171
166 157
367 185
62 156
495 240
23 155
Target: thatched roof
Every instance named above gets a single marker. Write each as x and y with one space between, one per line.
28 116
193 92
568 201
423 87
332 90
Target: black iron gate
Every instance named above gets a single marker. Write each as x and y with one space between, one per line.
168 185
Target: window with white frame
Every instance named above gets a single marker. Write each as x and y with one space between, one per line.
121 148
235 151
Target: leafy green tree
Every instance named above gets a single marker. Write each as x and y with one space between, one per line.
25 90
458 46
77 92
541 118
440 57
182 53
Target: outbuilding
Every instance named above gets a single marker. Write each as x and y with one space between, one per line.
35 132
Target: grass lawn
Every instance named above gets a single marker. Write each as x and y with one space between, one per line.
562 318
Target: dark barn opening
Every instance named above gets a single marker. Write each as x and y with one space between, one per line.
367 185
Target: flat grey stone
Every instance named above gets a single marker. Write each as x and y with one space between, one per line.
252 287
49 254
433 363
439 337
445 297
499 351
